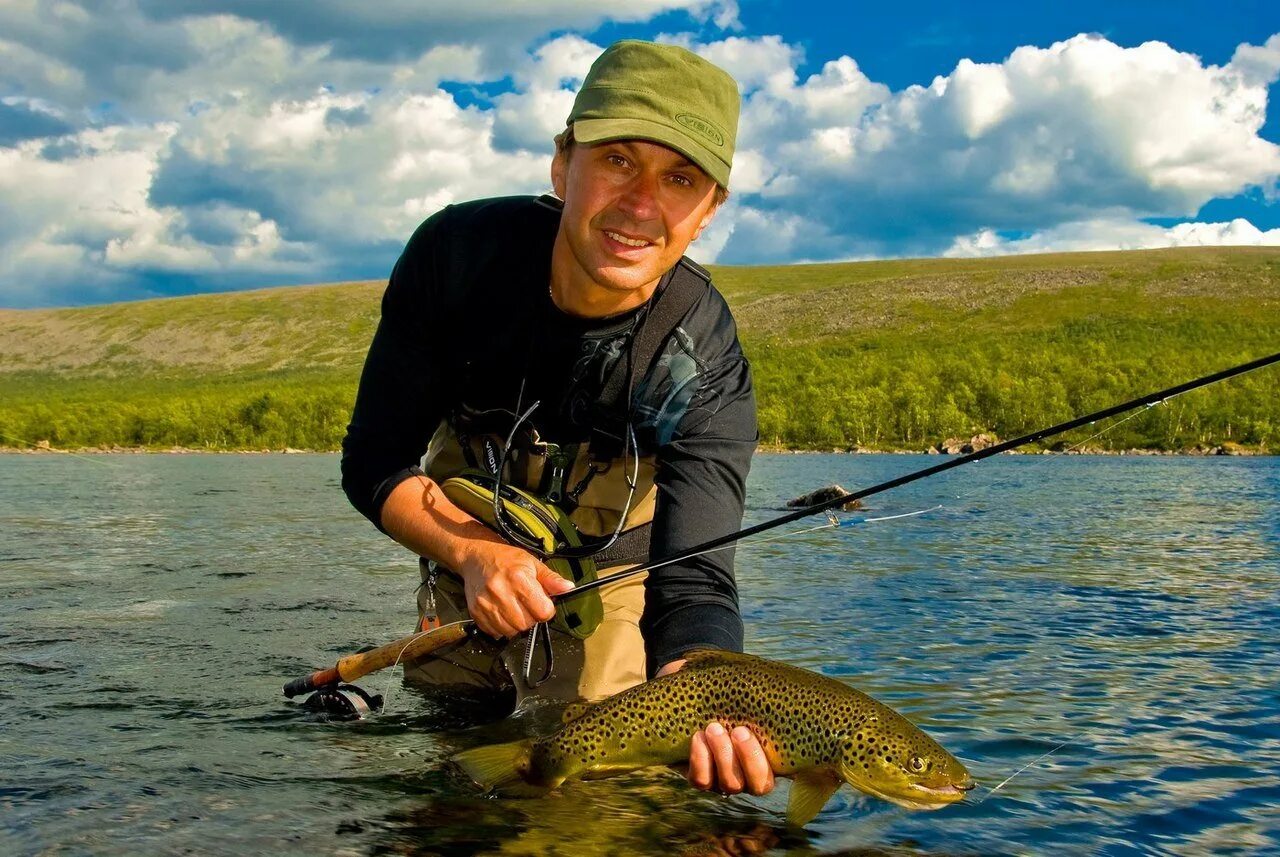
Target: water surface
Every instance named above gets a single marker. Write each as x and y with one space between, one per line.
152 606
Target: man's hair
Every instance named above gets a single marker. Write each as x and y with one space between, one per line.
565 143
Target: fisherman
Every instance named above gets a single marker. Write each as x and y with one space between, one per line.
644 422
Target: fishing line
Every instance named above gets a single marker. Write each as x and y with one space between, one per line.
60 451
1134 414
387 690
999 481
1030 764
833 523
1073 448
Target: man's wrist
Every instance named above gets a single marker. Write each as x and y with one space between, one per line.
470 548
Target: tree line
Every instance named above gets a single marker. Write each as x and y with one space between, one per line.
890 392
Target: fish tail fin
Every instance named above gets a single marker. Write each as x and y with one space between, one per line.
496 765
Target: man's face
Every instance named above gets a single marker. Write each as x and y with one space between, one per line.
631 208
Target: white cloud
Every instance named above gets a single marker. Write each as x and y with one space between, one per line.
530 117
388 29
223 58
78 226
559 63
140 54
213 143
247 138
1082 129
1115 235
753 62
1259 64
278 189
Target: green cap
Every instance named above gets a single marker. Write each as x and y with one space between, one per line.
644 91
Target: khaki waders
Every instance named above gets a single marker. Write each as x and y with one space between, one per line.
611 660
608 661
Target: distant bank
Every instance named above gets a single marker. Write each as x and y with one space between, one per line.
897 355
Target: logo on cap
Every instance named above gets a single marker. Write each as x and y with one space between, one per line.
701 127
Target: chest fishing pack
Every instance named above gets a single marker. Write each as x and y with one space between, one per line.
538 523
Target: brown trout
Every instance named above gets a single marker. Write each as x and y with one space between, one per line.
814 729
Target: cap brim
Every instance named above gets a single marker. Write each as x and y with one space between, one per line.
590 131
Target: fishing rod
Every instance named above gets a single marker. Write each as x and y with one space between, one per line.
424 642
969 458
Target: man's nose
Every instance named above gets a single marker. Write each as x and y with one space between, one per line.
640 199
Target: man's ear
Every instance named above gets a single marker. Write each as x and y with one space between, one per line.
559 167
706 220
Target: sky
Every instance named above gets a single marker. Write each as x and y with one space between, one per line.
162 147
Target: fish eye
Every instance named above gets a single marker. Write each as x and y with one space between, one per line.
919 764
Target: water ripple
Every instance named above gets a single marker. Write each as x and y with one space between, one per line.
1100 630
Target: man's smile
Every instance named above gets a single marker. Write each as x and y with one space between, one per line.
626 240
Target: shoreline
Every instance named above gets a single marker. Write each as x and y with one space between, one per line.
1217 450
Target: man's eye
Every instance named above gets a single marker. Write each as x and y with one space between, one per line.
617 160
684 181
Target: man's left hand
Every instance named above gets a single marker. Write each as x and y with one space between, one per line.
728 762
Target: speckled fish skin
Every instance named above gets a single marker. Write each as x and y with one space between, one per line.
814 728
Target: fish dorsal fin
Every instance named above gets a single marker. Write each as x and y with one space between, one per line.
809 794
574 710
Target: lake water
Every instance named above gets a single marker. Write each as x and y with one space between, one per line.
152 606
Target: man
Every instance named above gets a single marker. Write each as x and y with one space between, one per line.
645 418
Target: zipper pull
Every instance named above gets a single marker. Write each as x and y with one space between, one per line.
556 460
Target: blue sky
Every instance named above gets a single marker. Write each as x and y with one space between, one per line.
161 147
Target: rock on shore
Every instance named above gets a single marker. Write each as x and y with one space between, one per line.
824 495
957 446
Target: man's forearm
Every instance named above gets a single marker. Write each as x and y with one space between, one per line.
418 515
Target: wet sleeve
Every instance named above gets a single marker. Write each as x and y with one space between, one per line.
401 397
701 481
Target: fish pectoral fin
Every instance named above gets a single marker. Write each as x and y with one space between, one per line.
810 792
497 765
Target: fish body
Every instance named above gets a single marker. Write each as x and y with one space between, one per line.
813 728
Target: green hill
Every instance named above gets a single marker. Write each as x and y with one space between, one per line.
896 354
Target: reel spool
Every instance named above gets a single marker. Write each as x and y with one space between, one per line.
343 702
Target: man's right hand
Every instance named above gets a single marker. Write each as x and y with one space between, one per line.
507 588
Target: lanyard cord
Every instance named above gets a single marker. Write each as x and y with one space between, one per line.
630 450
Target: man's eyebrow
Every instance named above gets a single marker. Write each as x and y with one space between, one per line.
680 164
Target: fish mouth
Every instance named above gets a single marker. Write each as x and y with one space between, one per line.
924 797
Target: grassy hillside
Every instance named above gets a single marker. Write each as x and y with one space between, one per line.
897 354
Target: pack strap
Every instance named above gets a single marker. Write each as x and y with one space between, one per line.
630 548
677 292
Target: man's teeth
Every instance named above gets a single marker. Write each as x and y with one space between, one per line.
630 242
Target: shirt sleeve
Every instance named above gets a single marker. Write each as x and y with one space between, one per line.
401 398
701 482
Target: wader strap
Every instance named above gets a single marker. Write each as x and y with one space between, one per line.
631 547
678 291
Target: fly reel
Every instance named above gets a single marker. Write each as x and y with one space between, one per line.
343 702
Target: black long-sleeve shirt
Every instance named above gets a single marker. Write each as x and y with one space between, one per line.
467 318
